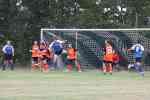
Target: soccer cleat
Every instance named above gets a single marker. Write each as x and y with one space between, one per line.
79 71
67 70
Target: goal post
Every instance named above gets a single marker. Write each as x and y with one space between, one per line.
89 42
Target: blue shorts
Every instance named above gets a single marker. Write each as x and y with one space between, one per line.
8 57
138 59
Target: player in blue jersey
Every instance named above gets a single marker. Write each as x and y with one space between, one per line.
138 50
8 52
57 48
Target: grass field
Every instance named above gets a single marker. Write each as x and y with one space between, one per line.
91 85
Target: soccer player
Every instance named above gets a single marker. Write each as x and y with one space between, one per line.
71 59
56 47
108 57
44 54
35 55
138 50
8 51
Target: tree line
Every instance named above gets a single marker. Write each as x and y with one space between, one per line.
21 20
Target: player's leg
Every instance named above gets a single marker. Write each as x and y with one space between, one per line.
69 65
49 61
104 67
78 65
10 61
11 64
110 67
139 67
117 66
34 63
60 64
55 61
4 65
45 64
5 62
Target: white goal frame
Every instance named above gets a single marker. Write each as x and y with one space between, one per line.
90 30
76 30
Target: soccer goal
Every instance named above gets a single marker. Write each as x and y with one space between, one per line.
89 43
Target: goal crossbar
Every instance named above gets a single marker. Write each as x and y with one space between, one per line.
130 29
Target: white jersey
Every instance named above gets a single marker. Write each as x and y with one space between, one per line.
137 45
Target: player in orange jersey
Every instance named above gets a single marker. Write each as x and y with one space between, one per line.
35 55
44 54
72 59
108 57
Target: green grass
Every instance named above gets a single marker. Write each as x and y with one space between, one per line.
90 85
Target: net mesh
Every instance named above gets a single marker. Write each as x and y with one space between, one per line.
90 44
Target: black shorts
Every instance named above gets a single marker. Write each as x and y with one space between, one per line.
107 62
139 59
44 58
8 57
35 59
70 61
115 62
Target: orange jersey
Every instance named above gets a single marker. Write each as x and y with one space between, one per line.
71 53
44 51
35 51
108 54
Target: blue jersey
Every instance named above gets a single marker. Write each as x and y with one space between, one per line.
8 49
138 50
56 47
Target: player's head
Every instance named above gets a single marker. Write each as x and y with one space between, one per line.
8 42
35 42
108 43
42 42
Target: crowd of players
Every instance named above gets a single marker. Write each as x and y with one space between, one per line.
45 55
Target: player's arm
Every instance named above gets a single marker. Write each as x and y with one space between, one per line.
132 48
3 49
142 48
13 51
50 52
129 49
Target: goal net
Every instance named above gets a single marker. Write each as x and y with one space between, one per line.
90 42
